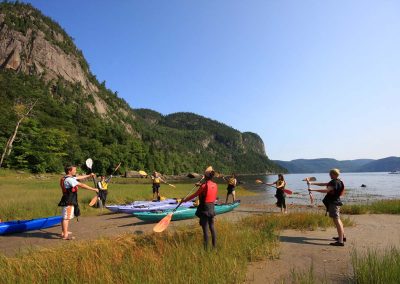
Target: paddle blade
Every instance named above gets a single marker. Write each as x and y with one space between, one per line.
259 181
310 179
163 224
288 191
142 173
89 163
171 185
93 201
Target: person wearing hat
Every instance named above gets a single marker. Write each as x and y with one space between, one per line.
207 194
334 189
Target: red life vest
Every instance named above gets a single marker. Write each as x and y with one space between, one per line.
64 189
70 195
208 193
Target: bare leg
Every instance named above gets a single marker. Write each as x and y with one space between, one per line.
340 229
234 196
227 196
64 226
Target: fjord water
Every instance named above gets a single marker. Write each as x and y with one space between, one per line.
378 186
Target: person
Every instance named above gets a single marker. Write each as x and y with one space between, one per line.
207 194
280 194
156 185
334 189
232 182
102 185
69 201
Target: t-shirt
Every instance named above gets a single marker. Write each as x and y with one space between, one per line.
70 182
337 186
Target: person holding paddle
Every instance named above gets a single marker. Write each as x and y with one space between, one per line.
232 182
156 185
334 189
207 194
69 201
280 193
102 185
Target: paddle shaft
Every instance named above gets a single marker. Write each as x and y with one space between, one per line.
180 203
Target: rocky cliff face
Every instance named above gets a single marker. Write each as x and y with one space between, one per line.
31 52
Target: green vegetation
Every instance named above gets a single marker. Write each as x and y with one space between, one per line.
376 267
377 207
172 257
26 196
157 258
66 128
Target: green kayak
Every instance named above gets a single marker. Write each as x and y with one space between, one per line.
182 213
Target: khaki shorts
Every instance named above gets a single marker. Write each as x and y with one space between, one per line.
68 212
334 211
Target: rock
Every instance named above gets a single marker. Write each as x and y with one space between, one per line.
132 174
193 175
363 185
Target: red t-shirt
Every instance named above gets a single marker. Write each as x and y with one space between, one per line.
208 192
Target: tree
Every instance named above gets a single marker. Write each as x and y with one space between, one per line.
21 110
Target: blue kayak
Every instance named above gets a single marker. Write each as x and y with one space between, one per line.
28 225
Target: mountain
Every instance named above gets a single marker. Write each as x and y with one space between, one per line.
322 165
382 165
76 116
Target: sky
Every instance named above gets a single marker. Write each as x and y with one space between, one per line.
314 79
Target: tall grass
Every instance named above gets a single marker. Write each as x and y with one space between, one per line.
157 258
377 207
297 221
25 196
376 267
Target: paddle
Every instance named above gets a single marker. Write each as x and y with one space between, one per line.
287 191
309 192
164 222
89 165
310 179
142 173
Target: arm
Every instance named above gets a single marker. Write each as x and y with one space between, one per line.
281 186
99 186
318 183
85 176
82 185
197 193
328 189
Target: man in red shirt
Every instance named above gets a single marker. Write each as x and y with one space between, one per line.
207 194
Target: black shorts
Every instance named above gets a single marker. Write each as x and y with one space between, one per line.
230 189
156 188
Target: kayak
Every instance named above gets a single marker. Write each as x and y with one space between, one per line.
28 225
183 213
145 207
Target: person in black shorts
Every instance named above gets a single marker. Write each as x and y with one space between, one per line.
334 189
232 182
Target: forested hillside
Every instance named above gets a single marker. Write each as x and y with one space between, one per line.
76 116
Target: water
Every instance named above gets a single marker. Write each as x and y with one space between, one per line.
379 186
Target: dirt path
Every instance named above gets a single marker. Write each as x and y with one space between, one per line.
300 250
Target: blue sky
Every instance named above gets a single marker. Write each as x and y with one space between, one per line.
312 78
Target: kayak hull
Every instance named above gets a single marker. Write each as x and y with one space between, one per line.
182 213
28 225
153 206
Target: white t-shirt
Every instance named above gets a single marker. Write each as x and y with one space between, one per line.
70 182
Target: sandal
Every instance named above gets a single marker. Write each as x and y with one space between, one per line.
337 244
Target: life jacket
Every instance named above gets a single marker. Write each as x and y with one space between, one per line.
209 195
232 181
104 185
70 195
342 191
156 180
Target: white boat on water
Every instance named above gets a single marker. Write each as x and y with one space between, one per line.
397 172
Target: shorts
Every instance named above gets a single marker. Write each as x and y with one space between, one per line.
334 211
67 212
231 189
156 188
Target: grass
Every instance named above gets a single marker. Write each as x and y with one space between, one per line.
377 207
369 267
26 196
376 267
171 257
176 257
